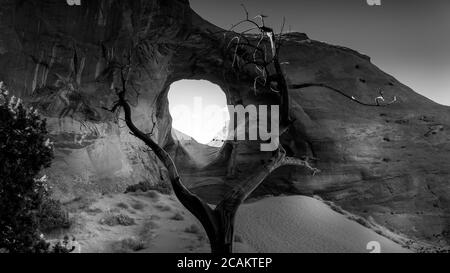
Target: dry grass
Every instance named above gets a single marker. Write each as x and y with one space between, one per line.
122 205
152 194
138 205
238 239
148 229
155 217
163 208
129 245
194 229
94 211
79 203
177 217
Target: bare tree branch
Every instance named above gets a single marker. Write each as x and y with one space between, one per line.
306 85
293 161
192 202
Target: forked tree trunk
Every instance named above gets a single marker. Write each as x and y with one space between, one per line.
219 222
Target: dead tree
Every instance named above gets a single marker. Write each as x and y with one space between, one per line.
218 222
260 52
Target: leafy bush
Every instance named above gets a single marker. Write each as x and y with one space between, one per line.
24 151
52 216
65 246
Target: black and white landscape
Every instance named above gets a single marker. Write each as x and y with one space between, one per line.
361 163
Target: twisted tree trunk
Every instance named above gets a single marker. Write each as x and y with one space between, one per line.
219 222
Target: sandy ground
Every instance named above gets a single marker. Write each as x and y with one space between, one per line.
153 222
152 228
304 224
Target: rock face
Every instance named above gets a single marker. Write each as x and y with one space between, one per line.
390 163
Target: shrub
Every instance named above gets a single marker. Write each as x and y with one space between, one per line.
145 186
177 217
82 203
52 216
163 208
129 245
138 205
65 246
117 220
155 217
194 229
148 227
238 239
24 151
122 205
94 211
152 195
147 231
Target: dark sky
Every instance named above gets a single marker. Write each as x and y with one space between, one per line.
409 39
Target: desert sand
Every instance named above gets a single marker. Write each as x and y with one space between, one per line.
154 222
304 224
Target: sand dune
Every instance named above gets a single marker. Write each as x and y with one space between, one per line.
303 224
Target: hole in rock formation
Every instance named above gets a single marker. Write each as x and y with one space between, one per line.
199 112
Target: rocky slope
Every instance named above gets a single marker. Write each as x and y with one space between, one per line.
390 163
